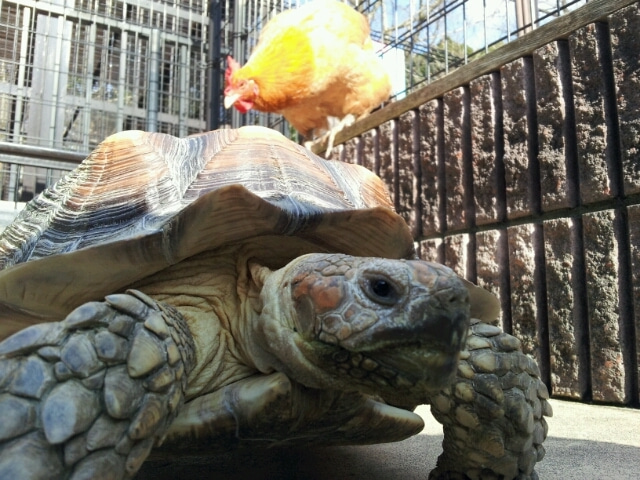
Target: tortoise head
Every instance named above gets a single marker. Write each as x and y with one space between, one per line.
394 328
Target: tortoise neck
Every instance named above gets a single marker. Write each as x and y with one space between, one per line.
277 343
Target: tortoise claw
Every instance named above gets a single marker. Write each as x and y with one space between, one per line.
89 396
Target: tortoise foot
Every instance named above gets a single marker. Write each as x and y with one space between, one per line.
89 396
494 414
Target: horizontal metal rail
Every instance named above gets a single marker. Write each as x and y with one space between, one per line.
25 170
39 156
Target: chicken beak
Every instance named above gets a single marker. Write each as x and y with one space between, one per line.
230 99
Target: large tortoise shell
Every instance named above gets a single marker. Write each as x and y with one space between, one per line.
143 201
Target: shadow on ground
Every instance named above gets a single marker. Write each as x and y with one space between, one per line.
585 442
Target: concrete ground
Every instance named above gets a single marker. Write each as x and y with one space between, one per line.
585 442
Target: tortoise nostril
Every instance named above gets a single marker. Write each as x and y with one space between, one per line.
453 297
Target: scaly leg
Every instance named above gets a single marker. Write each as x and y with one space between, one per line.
267 410
87 397
335 128
493 414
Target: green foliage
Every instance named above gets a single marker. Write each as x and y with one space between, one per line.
444 56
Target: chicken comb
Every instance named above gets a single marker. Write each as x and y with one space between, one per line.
232 66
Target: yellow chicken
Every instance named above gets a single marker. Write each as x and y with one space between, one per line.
311 64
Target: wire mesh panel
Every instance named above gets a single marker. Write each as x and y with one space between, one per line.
437 36
74 72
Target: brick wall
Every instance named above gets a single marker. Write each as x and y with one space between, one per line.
527 181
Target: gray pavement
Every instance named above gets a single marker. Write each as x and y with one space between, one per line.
585 442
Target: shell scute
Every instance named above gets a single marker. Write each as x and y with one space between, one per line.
144 201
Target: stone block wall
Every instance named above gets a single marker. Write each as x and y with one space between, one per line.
527 182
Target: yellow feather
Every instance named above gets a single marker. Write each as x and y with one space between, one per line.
283 68
315 62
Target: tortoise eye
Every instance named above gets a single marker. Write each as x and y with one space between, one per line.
380 289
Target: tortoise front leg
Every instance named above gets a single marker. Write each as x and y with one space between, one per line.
493 414
269 410
87 397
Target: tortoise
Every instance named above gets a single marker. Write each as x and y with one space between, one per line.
231 289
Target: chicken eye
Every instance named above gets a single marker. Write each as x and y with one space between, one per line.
380 289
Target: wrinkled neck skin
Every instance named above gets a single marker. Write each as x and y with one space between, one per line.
203 289
274 343
223 301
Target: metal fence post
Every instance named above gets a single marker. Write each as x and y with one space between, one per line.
154 81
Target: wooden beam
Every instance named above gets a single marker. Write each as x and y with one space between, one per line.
559 28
